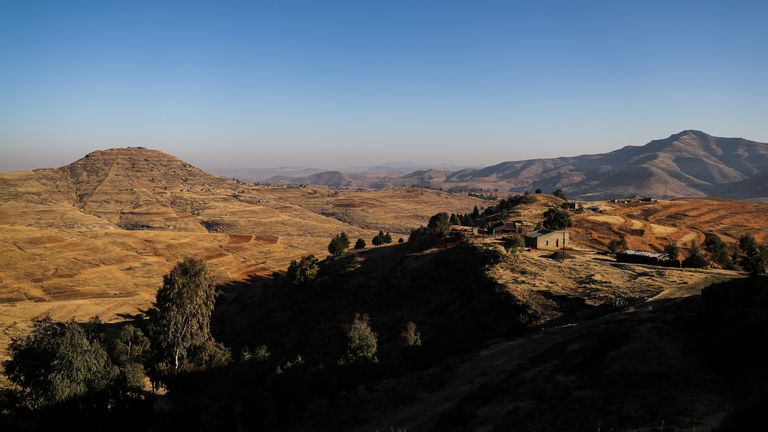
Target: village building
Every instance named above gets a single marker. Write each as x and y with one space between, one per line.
572 205
547 239
500 228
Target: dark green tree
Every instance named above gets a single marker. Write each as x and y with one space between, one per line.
400 240
378 239
387 239
717 250
360 244
56 362
559 193
302 271
555 219
455 220
440 223
695 259
672 251
754 257
339 243
538 191
129 351
182 315
475 213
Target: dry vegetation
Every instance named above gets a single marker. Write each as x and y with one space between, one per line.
652 226
95 237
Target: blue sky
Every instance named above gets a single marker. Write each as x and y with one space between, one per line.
339 83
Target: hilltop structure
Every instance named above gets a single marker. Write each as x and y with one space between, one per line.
547 239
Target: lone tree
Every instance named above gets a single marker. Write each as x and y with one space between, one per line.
616 246
182 315
559 193
673 252
754 257
56 362
362 343
555 219
302 271
338 244
360 244
387 239
717 250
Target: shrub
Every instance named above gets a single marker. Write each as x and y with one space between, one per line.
514 244
616 246
410 337
360 244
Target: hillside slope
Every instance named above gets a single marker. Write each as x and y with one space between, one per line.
95 237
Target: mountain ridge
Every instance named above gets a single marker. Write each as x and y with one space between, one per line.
690 163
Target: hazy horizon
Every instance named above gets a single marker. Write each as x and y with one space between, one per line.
345 84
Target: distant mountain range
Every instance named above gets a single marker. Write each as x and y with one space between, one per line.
687 164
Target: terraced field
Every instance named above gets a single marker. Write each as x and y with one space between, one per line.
651 226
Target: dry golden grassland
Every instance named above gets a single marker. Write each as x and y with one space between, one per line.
65 249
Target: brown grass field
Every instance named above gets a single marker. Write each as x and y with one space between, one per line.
652 226
64 250
94 238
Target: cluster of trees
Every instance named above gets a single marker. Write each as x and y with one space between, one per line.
381 238
57 362
303 271
748 255
340 243
476 217
556 219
